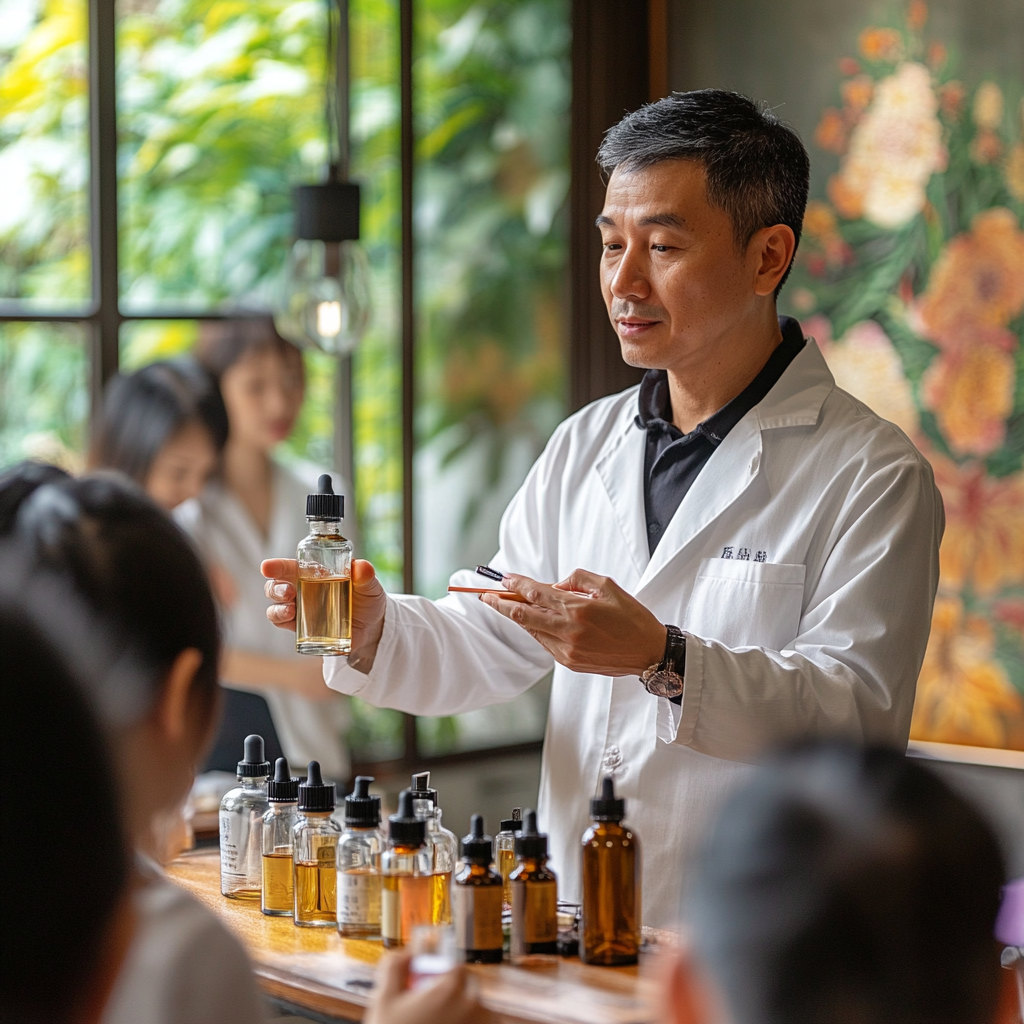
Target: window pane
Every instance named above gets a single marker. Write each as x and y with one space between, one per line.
492 83
220 113
44 154
44 393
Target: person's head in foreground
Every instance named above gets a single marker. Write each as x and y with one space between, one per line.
702 216
135 571
65 904
165 427
845 885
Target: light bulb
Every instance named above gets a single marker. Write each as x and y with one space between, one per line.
326 295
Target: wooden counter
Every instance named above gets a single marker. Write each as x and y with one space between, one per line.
314 972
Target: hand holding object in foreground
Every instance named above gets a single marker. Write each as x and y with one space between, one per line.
368 605
452 998
587 622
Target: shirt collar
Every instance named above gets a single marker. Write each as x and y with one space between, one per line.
655 401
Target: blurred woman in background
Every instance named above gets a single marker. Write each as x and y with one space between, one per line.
165 427
252 509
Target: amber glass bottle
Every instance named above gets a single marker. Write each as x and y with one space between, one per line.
611 884
505 853
477 899
534 894
314 849
407 878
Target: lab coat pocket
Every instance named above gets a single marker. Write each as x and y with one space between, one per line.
746 604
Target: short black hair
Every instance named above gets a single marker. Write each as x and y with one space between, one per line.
59 758
223 343
850 884
756 167
143 410
134 569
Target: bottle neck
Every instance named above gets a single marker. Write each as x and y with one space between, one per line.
324 527
533 863
478 869
316 817
253 784
402 847
284 806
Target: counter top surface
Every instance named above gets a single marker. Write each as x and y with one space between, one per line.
316 972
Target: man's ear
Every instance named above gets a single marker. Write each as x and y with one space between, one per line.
772 249
686 998
171 712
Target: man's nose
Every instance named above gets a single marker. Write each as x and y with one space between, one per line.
630 278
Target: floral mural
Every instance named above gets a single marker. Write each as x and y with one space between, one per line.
911 277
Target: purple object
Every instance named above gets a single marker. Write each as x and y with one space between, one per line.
1010 922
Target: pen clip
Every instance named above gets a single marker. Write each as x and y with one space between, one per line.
491 574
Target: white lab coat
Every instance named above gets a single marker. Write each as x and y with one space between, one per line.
823 636
226 534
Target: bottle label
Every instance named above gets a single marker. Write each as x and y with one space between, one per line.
478 916
233 844
534 913
359 898
391 914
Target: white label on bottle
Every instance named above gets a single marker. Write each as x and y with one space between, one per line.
233 845
391 914
358 898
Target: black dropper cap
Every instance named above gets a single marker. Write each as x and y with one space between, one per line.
405 828
421 788
531 843
361 809
254 764
607 807
325 504
476 847
283 788
515 823
315 795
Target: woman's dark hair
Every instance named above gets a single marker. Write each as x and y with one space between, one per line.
18 482
844 884
132 566
756 167
223 343
143 410
51 950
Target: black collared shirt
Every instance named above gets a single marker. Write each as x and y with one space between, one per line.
673 459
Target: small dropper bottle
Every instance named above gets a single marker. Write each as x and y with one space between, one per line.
505 853
477 899
443 844
315 846
359 850
278 823
241 825
323 597
611 884
534 894
406 868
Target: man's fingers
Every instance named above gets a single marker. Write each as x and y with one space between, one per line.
364 578
279 590
541 594
530 617
392 975
282 615
283 569
580 581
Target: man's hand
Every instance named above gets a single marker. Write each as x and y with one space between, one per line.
587 622
452 998
368 605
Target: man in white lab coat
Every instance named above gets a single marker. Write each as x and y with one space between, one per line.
747 554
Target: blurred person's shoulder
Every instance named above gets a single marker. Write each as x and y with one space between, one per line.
184 966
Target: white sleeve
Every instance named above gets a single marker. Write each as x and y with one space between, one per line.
852 669
456 654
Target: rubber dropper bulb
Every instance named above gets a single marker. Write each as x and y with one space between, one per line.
362 787
313 776
324 485
476 826
253 748
281 771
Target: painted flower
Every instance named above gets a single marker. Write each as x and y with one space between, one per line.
917 15
880 44
986 147
1015 172
936 56
983 546
970 390
857 93
963 693
951 99
821 228
988 106
866 365
978 278
893 151
832 132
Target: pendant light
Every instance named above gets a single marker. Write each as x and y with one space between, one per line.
325 300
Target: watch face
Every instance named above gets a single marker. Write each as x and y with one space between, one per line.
664 684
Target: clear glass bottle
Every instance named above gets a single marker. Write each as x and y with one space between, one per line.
359 850
241 825
534 894
505 853
278 823
323 598
315 853
407 875
476 897
443 844
611 884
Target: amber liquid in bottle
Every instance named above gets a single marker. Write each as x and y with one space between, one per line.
277 882
406 903
441 898
316 890
477 899
506 865
534 908
323 613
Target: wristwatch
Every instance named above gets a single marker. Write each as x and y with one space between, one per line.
666 678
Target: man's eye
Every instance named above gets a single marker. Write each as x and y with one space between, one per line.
610 246
661 248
